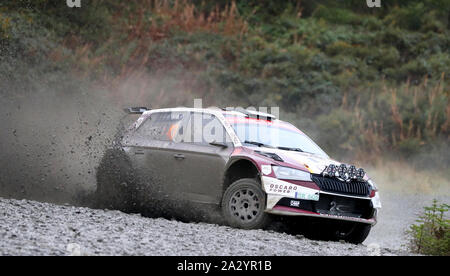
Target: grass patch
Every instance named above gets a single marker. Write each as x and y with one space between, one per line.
431 234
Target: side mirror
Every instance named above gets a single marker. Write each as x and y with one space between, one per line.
218 144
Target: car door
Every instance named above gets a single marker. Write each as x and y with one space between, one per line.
202 169
153 156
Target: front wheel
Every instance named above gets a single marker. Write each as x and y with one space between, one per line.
243 205
354 233
359 233
350 232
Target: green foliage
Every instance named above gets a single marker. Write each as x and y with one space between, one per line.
89 22
423 15
431 234
336 15
4 27
405 120
337 63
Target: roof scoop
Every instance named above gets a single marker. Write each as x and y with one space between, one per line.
136 110
256 114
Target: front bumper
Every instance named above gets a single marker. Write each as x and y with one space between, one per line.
288 199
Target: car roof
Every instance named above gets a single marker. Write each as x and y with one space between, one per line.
215 110
226 116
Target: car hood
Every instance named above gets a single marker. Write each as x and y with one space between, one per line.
313 162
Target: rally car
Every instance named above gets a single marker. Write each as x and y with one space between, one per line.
249 164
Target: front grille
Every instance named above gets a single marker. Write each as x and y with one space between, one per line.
357 188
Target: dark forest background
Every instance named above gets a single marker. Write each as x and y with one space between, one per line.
368 84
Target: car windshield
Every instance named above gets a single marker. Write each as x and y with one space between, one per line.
276 135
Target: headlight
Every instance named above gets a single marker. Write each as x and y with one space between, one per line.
360 174
331 170
291 174
352 171
342 171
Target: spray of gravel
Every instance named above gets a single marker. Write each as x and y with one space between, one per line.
52 138
55 130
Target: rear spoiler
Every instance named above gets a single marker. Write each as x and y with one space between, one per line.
258 115
255 114
136 110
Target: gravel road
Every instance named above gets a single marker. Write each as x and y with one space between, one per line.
398 212
35 228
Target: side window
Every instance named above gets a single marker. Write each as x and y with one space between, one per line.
163 126
204 128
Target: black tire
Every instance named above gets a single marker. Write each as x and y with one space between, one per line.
359 233
114 182
243 205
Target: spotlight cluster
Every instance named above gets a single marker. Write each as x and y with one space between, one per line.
344 172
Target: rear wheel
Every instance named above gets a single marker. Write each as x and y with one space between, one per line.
114 181
243 205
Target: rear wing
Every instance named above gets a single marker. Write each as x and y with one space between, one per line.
258 115
254 114
136 110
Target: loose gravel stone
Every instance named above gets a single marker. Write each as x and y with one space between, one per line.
35 228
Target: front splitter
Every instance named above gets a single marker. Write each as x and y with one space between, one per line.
287 211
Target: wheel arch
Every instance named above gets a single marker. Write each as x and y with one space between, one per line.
240 168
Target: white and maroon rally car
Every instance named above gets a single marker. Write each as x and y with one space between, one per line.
249 164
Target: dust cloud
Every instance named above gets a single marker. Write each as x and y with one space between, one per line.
56 127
